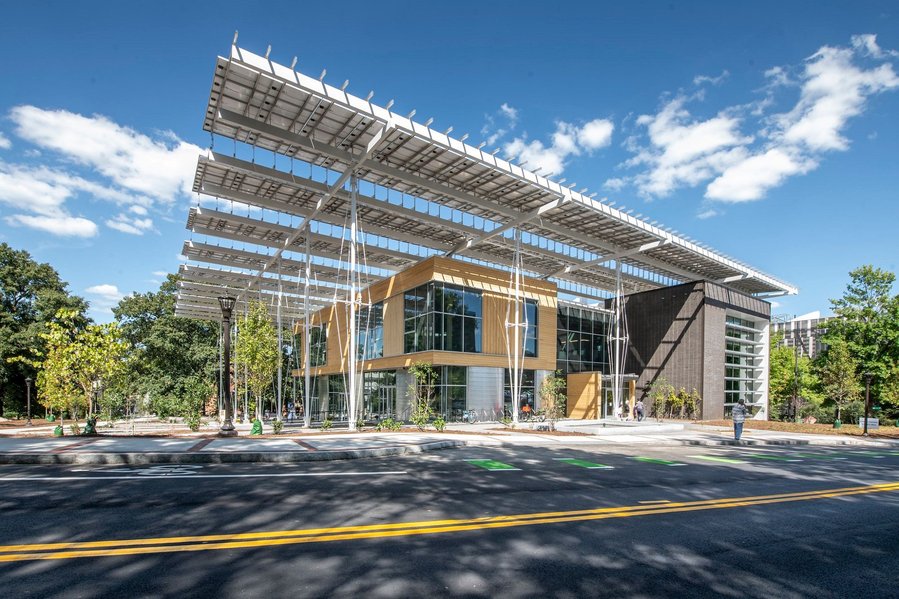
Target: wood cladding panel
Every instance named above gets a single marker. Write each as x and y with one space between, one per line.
583 395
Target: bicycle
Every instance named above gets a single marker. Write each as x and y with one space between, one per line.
469 416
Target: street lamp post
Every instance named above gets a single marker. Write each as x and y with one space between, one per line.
227 304
868 376
28 395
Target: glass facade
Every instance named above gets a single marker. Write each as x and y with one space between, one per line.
528 390
337 398
443 317
379 394
582 340
370 332
450 391
318 345
743 343
530 337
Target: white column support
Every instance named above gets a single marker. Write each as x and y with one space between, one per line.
280 348
307 359
351 341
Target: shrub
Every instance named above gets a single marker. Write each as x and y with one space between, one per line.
277 426
327 424
439 423
508 422
75 429
390 424
193 421
553 398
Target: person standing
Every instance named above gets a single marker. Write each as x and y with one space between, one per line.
639 410
739 414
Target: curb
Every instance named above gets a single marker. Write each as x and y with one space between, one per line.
221 457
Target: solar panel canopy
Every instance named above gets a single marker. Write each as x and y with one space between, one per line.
419 192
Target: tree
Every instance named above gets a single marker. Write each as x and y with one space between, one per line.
31 295
783 383
75 361
552 398
660 391
421 393
257 351
838 372
867 319
169 351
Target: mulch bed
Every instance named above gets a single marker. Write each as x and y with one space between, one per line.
884 432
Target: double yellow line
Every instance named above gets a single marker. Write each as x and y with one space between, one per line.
53 551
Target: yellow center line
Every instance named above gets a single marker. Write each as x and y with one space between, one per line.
55 551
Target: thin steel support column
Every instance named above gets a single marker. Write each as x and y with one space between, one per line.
307 359
351 341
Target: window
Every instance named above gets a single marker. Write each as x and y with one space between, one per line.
528 393
450 391
318 345
581 340
379 394
370 332
337 404
530 337
444 317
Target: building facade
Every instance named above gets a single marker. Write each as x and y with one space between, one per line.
804 332
458 317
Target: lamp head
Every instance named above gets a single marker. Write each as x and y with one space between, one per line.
28 380
227 304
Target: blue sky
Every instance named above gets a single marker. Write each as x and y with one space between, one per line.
768 130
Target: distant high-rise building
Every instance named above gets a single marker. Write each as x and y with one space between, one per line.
805 331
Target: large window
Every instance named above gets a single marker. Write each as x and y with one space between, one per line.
379 394
741 362
450 391
582 336
337 404
443 317
318 345
528 393
370 332
530 337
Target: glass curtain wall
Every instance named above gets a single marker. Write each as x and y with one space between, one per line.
379 394
450 391
318 345
370 332
582 340
443 317
528 391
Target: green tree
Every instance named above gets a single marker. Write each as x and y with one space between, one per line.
781 378
552 398
257 353
169 351
421 393
31 295
659 395
75 362
867 319
838 372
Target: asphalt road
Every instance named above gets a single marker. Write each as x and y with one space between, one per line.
626 522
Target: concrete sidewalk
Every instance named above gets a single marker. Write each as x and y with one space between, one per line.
296 445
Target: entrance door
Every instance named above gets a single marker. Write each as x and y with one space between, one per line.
608 404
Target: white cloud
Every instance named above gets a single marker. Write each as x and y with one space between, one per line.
92 158
5 144
682 151
161 169
751 178
707 214
509 112
700 79
833 91
64 226
567 140
615 183
105 291
491 132
159 273
866 43
127 224
596 134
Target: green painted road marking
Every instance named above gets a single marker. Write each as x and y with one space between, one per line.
816 456
658 461
760 456
717 459
584 464
491 465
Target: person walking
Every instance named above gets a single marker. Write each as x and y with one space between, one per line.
639 410
739 414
